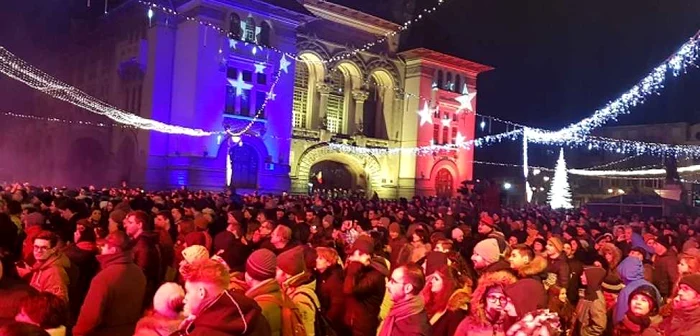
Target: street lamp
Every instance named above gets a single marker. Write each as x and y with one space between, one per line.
620 191
610 191
536 172
546 178
507 186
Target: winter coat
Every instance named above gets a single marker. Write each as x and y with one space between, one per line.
629 328
560 267
155 324
499 266
527 295
232 250
114 301
396 245
591 315
535 269
683 322
364 288
576 269
51 275
413 252
301 289
447 321
631 272
12 292
229 314
167 250
83 256
268 295
329 289
665 273
477 323
409 322
147 255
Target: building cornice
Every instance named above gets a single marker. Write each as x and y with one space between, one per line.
350 17
444 61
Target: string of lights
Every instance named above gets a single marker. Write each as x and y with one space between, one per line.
65 121
625 159
343 55
16 68
652 83
637 172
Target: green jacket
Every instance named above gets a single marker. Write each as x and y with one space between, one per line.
267 294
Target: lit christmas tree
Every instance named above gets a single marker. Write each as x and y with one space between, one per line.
560 192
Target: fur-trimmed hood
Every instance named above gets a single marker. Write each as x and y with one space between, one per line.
486 281
537 268
460 299
157 324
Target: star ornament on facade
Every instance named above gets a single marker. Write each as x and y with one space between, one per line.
259 68
239 84
446 122
232 43
284 64
465 100
426 115
271 95
459 139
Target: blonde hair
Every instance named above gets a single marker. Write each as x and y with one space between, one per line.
206 271
329 254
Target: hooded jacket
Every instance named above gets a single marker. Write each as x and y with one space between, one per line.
148 256
477 323
527 295
268 295
155 324
301 288
665 272
591 315
683 322
447 321
229 314
51 275
535 269
115 298
631 272
82 256
364 287
329 289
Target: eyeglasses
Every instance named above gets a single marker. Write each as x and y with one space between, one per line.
497 299
41 248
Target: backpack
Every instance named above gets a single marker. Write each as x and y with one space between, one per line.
292 324
322 325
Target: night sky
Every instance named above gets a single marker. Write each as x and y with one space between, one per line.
555 61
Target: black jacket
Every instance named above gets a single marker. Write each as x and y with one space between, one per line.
148 256
364 287
329 289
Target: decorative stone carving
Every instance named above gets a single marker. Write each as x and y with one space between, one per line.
323 88
360 95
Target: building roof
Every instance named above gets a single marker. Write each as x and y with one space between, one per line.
350 12
444 60
292 5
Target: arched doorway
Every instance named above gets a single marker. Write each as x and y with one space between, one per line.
244 166
329 175
443 183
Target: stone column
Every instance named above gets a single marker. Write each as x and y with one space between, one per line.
324 89
360 96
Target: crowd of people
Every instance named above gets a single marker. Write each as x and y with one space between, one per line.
124 261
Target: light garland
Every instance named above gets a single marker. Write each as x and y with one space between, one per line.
625 159
16 68
339 57
638 172
430 149
651 84
65 121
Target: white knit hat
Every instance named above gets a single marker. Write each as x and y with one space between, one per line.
168 299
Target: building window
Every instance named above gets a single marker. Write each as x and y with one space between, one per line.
454 134
230 100
439 79
336 103
264 37
234 29
448 82
246 102
247 76
445 135
436 134
458 84
443 183
232 73
301 93
249 30
262 78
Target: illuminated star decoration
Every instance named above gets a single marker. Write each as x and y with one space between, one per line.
445 122
271 95
259 68
284 64
465 100
459 139
425 115
232 43
239 84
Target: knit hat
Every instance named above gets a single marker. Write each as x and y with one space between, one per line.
117 216
195 253
292 261
433 262
394 227
486 220
604 236
261 265
364 244
692 281
488 250
556 242
33 219
168 300
649 292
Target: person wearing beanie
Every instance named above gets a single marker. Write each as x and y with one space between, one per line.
364 287
642 317
590 315
396 242
166 315
665 271
631 272
116 221
685 318
557 263
486 225
487 257
260 270
299 285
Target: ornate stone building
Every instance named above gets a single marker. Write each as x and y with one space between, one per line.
184 73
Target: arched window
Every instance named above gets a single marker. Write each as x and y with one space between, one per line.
264 36
448 82
244 164
445 135
439 81
443 183
458 84
373 109
336 102
301 95
234 26
249 30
